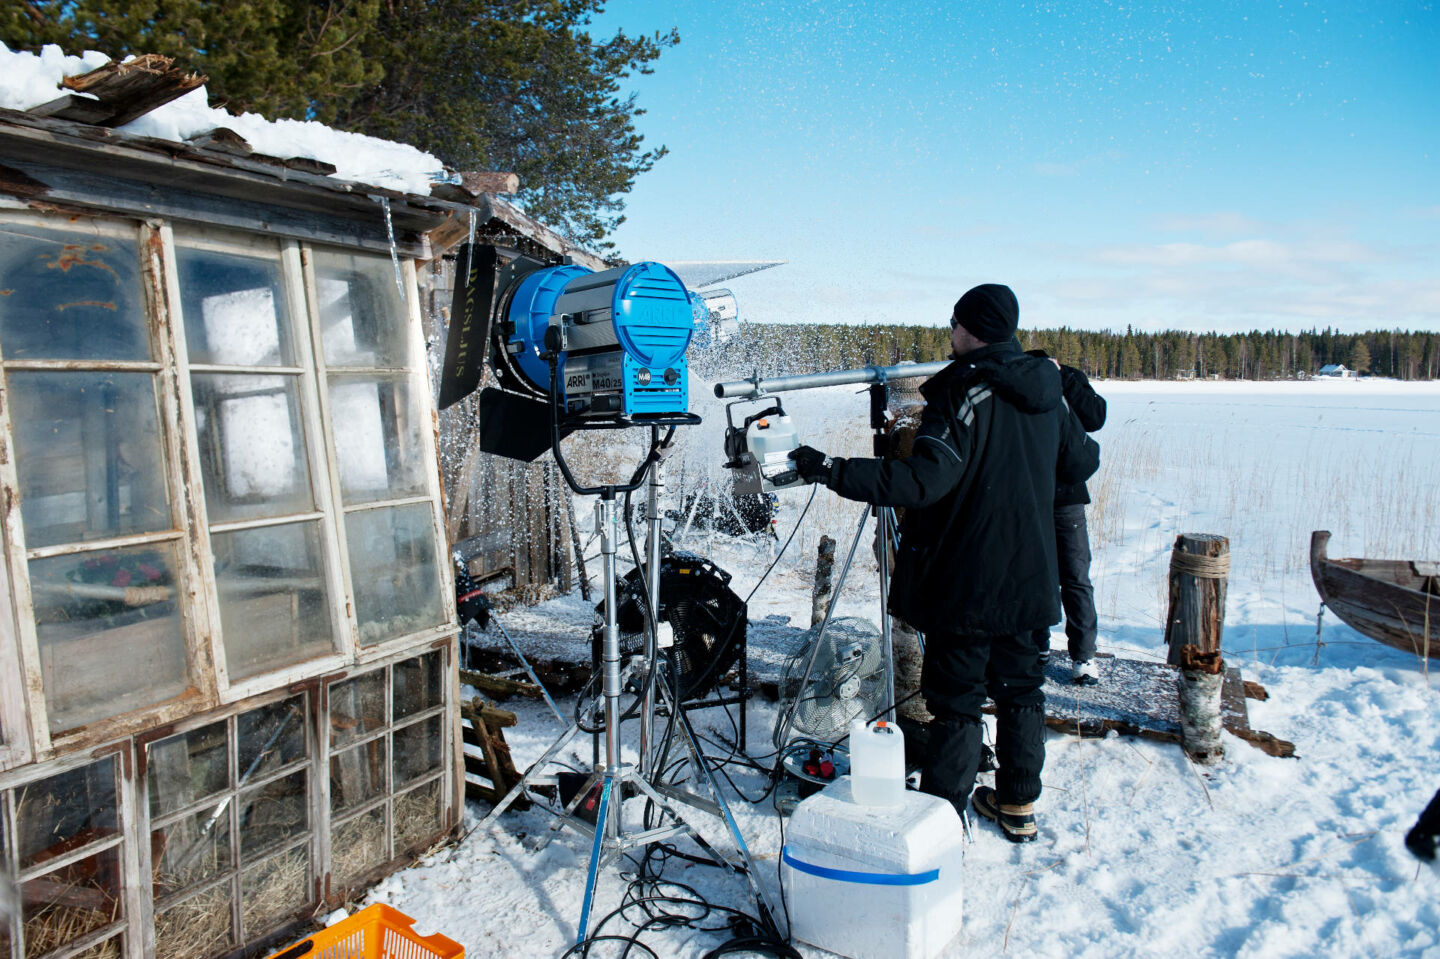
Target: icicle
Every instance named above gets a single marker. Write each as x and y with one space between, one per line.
470 240
394 251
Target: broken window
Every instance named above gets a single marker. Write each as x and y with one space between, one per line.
270 558
230 827
67 857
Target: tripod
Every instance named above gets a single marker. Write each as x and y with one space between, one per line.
611 837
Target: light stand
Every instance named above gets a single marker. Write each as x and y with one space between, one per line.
610 837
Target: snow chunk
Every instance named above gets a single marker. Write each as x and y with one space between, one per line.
28 80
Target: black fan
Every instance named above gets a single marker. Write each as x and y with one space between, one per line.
706 615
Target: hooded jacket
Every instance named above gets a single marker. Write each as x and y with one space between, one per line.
977 545
1089 408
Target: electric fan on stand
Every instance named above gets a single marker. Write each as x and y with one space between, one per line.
838 676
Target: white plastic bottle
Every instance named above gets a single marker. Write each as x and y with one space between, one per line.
877 763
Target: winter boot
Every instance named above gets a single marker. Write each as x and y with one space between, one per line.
1085 673
1016 822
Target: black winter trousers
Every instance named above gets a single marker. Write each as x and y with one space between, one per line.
1077 594
959 671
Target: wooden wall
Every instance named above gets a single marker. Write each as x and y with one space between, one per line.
510 520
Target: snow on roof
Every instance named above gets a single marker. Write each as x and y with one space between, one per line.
1333 368
28 80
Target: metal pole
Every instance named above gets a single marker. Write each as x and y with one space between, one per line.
652 578
610 636
755 386
884 517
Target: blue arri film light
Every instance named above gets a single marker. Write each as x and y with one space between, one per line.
622 336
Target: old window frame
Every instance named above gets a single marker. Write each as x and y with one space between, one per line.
128 929
317 459
311 763
24 716
417 373
175 443
447 710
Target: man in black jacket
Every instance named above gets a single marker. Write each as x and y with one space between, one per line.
976 568
1072 536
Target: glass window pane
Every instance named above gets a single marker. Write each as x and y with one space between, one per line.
274 597
110 633
273 813
357 706
356 847
184 769
193 850
234 306
417 817
61 906
88 451
392 569
417 750
417 684
274 891
377 437
70 295
270 737
357 775
200 922
363 321
252 446
60 814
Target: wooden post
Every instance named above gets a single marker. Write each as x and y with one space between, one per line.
824 580
1199 571
1202 679
579 550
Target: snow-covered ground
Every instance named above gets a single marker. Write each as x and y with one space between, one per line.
1140 852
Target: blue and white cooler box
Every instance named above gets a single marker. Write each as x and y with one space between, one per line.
874 882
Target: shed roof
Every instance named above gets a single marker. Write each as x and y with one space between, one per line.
218 176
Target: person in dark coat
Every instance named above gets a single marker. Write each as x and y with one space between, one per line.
1072 536
1423 836
976 568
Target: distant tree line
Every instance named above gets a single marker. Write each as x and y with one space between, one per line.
784 349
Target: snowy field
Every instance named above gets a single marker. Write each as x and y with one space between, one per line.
1140 852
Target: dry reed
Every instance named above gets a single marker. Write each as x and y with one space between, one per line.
356 846
200 922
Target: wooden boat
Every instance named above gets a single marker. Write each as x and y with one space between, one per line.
1392 601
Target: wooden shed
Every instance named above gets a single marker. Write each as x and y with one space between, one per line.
228 688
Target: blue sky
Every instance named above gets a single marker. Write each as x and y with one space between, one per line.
1193 166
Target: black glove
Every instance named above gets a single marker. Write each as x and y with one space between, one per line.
812 465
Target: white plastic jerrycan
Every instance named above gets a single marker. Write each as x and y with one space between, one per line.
877 763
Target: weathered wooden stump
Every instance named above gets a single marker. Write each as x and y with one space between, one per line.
1202 678
824 580
1199 572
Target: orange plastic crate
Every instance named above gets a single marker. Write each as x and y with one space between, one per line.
376 932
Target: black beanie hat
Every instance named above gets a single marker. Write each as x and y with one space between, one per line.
990 312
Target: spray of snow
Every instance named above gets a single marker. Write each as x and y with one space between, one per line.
28 80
